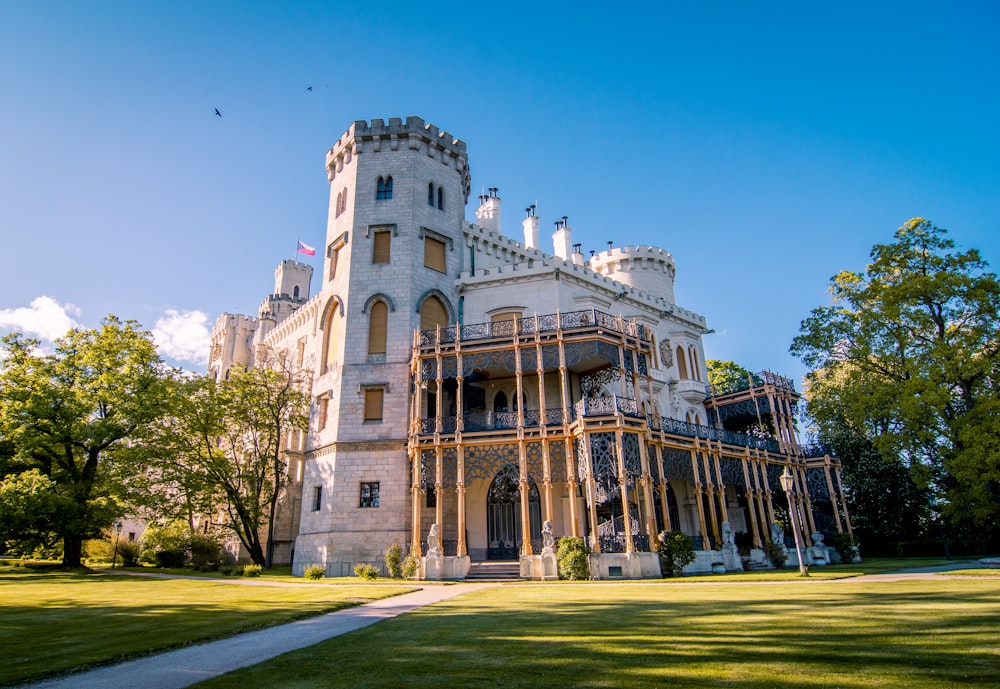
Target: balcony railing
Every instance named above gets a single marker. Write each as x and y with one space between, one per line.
528 326
608 406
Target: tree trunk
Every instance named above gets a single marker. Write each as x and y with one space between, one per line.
72 550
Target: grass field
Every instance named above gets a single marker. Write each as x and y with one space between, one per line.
53 622
934 634
760 629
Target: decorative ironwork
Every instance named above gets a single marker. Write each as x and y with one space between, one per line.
533 457
557 461
630 456
483 461
503 360
606 406
654 463
592 383
816 484
547 323
503 518
732 472
449 468
677 464
428 470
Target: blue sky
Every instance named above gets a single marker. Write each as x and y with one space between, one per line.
767 146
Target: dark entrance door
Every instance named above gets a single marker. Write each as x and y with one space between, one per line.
503 515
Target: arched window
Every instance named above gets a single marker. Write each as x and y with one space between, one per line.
682 369
441 198
432 314
343 203
500 402
336 208
384 190
295 292
430 194
331 336
377 321
695 368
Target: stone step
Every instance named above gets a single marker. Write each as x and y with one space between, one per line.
494 571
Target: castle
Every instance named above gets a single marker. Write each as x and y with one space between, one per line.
476 396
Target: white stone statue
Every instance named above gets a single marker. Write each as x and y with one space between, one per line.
548 540
777 534
433 542
727 534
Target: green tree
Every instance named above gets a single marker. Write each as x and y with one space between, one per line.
906 357
728 376
222 445
68 418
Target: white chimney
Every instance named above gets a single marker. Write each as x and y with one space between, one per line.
561 239
488 213
530 225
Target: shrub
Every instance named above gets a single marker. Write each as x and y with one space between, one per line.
226 569
845 544
410 567
676 550
252 570
236 571
393 560
314 572
366 571
170 558
205 551
128 554
573 556
776 554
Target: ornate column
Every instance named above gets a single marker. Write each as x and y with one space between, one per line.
524 486
833 494
623 491
710 492
460 496
698 494
439 491
646 481
571 488
751 492
847 515
415 463
591 487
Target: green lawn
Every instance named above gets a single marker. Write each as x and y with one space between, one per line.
51 622
937 633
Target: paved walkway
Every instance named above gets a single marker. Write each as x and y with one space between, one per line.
186 666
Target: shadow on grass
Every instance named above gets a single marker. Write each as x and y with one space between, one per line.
921 636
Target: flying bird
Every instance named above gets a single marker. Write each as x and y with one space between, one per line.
217 113
309 88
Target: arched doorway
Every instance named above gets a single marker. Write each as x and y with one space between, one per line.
503 515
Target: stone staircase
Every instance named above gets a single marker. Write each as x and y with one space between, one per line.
494 571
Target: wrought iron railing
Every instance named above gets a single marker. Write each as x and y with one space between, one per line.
606 406
527 326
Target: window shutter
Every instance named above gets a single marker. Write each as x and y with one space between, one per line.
433 314
373 404
434 254
377 328
380 253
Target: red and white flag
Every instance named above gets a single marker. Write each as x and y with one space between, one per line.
306 249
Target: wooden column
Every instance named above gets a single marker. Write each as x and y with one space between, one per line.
460 496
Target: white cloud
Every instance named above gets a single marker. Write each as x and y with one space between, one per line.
45 319
183 336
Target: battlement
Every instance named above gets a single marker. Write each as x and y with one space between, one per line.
635 256
412 132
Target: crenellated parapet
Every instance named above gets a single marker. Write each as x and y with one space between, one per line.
409 133
648 268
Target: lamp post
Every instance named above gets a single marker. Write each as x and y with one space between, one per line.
787 485
118 533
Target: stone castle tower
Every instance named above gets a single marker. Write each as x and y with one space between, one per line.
393 246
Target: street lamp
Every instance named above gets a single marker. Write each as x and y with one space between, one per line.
787 485
118 533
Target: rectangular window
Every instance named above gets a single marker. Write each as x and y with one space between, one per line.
323 402
369 494
434 254
317 498
333 254
373 404
380 250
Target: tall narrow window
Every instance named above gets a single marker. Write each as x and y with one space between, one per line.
336 208
295 292
378 317
432 314
331 337
334 256
373 404
323 403
434 253
369 494
384 189
695 367
317 498
380 246
441 198
430 194
343 203
682 370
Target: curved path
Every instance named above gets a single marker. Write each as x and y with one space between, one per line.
186 666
